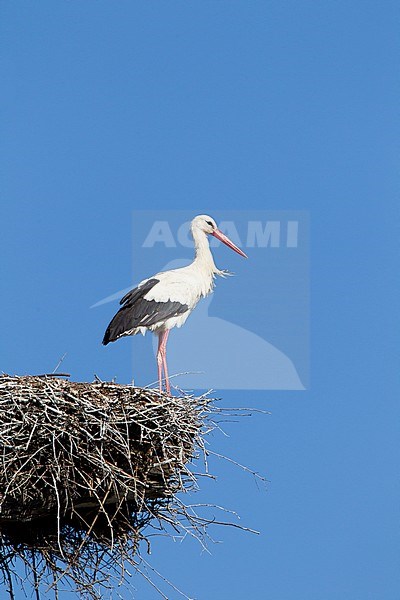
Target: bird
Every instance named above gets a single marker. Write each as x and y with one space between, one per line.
166 299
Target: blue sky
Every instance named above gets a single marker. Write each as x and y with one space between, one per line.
112 107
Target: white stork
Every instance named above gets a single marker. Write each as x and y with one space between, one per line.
166 300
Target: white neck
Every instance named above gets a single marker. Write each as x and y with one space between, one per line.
203 263
203 259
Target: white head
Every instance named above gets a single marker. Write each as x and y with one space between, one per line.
204 223
207 225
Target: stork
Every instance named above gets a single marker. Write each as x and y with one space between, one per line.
166 299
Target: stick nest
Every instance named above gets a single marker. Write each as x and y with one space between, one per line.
85 467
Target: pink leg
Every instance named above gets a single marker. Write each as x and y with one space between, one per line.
167 386
159 361
162 360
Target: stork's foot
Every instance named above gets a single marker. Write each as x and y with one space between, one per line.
167 389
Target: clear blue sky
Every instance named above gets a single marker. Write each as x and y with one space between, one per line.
109 107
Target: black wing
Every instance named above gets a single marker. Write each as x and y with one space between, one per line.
139 291
138 312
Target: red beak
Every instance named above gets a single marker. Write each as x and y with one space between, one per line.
225 240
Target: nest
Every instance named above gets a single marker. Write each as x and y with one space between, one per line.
86 469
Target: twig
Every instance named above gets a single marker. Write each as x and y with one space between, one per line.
60 362
54 375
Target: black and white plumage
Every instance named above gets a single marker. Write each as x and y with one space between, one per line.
166 300
138 313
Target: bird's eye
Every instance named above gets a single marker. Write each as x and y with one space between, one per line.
209 223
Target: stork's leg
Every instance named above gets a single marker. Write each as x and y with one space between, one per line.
159 361
164 356
162 360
